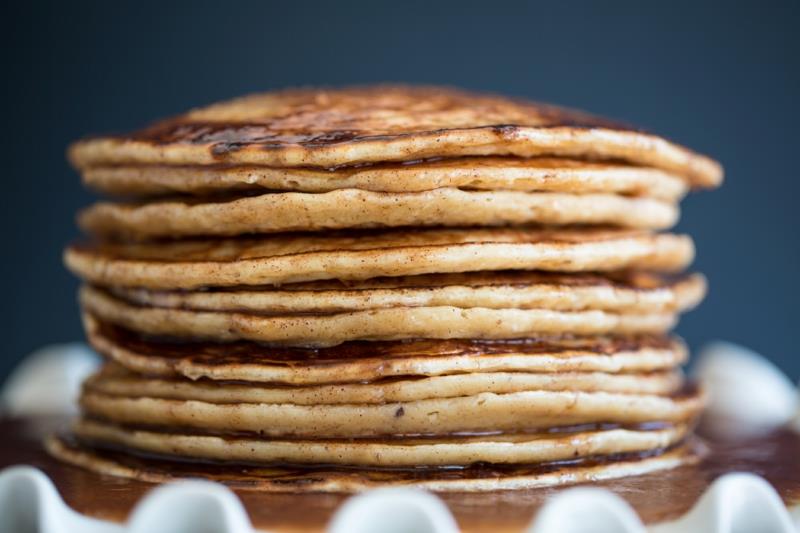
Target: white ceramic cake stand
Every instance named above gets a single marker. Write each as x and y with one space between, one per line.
745 387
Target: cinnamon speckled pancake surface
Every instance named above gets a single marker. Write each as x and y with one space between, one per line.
352 208
114 379
527 410
557 175
369 361
354 255
296 480
392 323
623 292
451 451
329 128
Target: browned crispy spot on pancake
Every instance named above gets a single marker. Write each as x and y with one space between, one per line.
320 117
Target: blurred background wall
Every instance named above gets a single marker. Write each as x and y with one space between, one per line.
723 79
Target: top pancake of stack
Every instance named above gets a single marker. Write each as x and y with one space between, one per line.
328 129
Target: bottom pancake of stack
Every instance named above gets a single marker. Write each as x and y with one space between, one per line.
462 415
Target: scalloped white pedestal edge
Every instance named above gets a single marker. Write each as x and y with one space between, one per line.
29 502
46 383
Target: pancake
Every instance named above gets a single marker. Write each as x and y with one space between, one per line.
362 255
410 452
332 290
469 173
115 380
330 128
326 479
395 323
369 361
351 208
478 413
624 292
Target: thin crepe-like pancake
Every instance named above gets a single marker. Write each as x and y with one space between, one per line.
444 322
362 255
351 208
478 478
115 380
624 292
365 361
450 451
328 128
468 173
478 413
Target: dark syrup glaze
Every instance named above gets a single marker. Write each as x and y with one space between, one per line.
656 497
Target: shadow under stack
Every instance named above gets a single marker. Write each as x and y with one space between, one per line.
332 290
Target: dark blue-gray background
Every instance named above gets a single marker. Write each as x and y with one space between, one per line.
722 79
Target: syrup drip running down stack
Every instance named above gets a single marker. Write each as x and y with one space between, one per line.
337 289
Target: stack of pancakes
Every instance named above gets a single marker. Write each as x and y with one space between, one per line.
332 289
